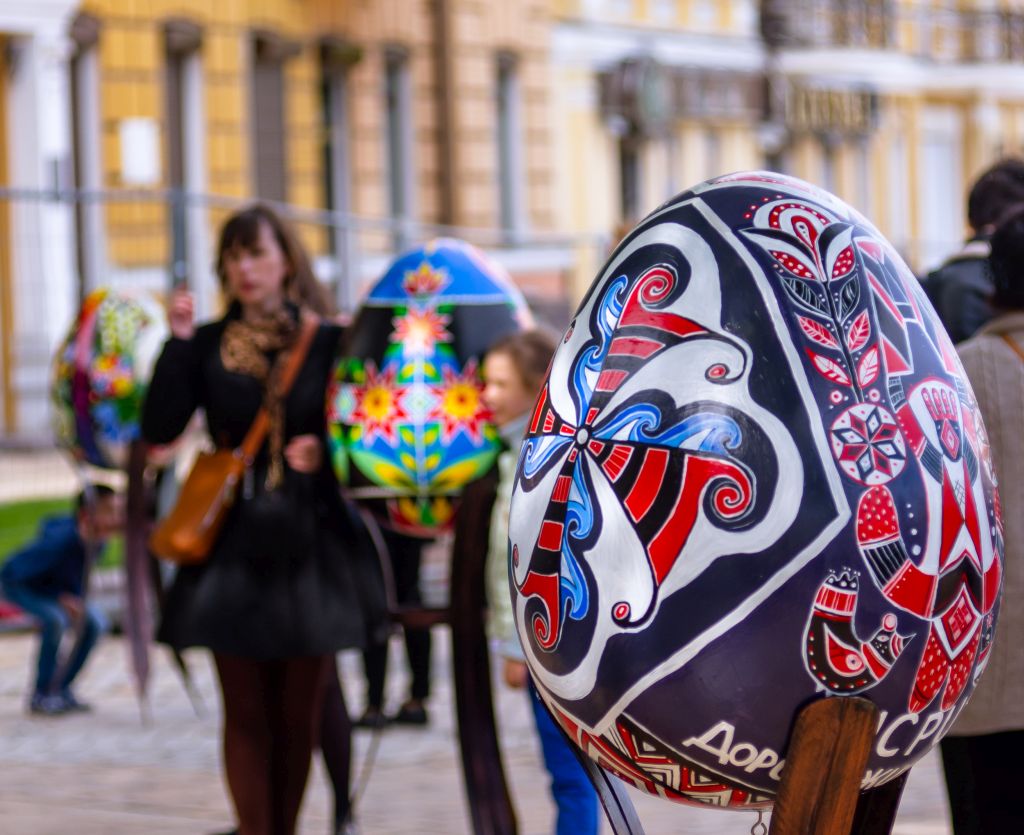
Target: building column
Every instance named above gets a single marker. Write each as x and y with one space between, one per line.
984 140
41 227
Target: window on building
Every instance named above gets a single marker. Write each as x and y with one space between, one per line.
744 16
8 398
398 110
270 160
85 151
924 20
629 179
664 11
712 153
819 21
673 158
704 14
862 161
898 192
949 35
829 163
182 40
336 58
987 35
509 141
940 195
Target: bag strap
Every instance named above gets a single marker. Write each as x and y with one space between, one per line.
254 438
1009 340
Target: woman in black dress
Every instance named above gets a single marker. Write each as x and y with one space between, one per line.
289 582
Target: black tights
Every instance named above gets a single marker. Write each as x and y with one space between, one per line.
272 712
336 745
404 553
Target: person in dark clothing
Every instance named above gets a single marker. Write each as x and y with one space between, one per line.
404 554
336 751
290 580
47 579
959 289
979 753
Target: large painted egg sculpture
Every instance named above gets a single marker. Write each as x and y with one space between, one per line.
755 477
407 425
100 375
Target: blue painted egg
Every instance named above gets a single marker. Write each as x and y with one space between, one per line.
407 425
756 476
101 372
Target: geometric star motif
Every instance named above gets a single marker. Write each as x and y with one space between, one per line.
868 444
378 405
459 404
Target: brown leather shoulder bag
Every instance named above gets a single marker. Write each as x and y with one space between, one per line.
186 535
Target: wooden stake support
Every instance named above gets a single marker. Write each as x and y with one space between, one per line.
825 763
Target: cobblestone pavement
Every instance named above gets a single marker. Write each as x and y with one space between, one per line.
35 474
108 773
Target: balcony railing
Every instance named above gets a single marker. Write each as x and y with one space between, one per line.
942 33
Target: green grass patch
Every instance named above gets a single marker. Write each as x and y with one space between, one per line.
19 524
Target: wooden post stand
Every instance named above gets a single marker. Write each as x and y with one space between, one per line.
825 763
490 803
820 789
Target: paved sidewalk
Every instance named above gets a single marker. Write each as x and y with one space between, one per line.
35 474
106 773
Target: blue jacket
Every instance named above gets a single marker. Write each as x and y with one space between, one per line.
53 563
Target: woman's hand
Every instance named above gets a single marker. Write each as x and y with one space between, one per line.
181 314
304 454
514 673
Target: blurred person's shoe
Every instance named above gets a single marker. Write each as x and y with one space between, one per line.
346 827
372 718
72 704
44 705
411 713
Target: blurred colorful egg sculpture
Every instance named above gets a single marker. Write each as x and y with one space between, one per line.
100 374
406 421
755 477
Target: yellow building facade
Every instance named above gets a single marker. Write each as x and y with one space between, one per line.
536 129
650 97
371 124
895 105
263 98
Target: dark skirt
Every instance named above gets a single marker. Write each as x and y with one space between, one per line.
316 590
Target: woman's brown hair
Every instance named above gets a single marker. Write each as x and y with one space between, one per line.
530 352
243 229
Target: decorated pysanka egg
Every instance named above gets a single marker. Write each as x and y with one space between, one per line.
756 476
100 375
407 425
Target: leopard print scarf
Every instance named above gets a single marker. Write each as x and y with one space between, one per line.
243 350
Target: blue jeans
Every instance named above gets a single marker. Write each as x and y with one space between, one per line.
53 623
571 788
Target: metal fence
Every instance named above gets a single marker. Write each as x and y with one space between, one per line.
58 245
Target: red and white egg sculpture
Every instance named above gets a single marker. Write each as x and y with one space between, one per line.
756 476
